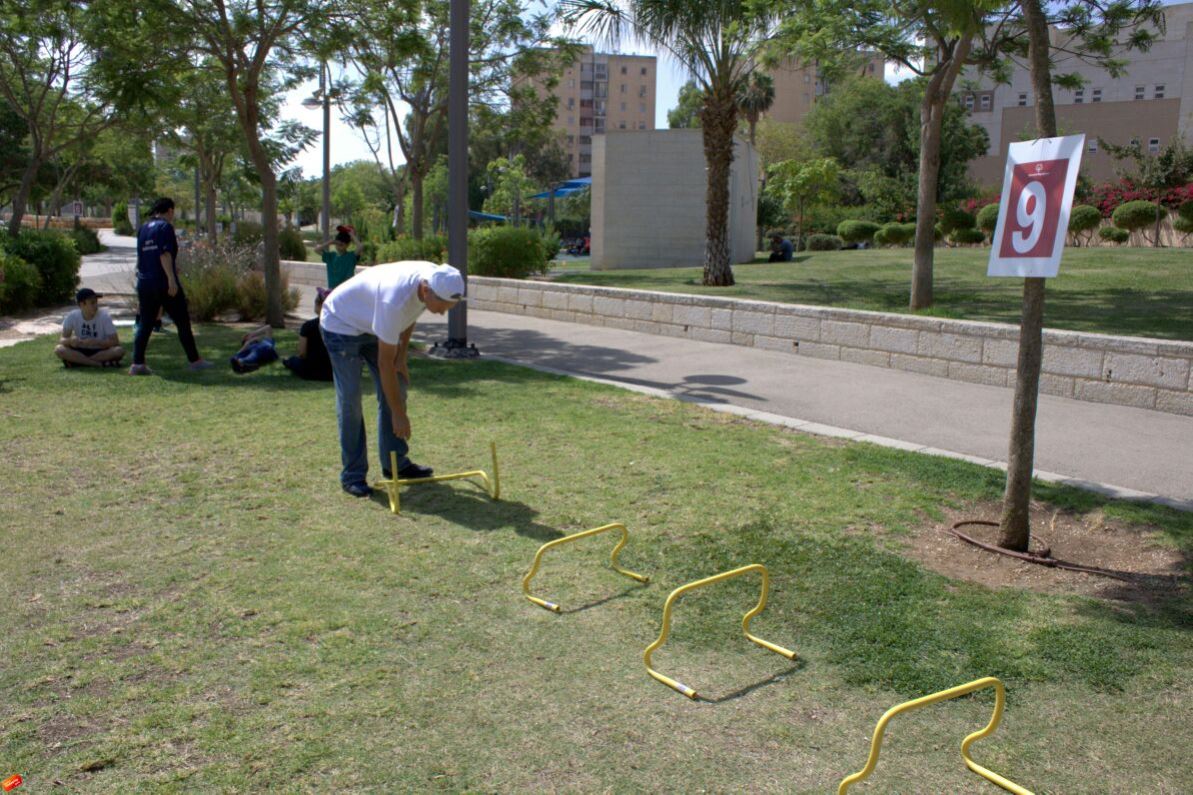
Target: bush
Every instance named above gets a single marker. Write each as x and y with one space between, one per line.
895 234
21 284
1113 234
1183 225
86 240
1186 210
210 276
251 300
824 243
120 220
880 237
56 259
552 242
507 251
432 249
1134 215
248 233
967 237
291 245
954 218
1083 221
988 218
857 231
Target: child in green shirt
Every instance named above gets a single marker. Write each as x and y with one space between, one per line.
341 263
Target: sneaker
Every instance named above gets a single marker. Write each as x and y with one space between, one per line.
140 369
413 471
358 489
201 364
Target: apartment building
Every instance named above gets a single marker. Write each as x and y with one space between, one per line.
1150 103
799 86
598 93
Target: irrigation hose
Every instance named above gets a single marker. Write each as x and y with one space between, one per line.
1043 557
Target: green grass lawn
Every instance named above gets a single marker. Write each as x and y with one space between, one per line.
191 603
1133 291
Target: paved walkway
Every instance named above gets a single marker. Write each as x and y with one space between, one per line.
1136 453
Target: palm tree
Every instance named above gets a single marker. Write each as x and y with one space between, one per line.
716 41
756 97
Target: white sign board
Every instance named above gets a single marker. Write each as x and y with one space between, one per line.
1033 215
76 208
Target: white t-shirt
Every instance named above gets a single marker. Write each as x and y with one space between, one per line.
97 328
383 300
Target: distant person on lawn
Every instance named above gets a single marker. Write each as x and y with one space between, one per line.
310 363
340 262
368 320
158 287
781 249
89 336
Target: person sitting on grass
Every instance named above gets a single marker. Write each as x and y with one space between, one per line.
341 263
781 249
89 336
311 362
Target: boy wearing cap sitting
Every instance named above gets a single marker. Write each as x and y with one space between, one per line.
88 334
341 263
368 320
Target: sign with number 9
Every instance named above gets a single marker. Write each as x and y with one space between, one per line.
1033 215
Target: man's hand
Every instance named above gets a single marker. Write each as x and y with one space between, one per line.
401 426
172 288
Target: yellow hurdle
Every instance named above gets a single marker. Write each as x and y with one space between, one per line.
538 559
745 622
393 485
1000 698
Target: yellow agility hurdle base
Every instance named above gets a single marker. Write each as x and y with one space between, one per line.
393 485
538 559
1000 698
745 622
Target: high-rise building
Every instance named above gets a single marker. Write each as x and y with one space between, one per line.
799 86
598 93
1150 103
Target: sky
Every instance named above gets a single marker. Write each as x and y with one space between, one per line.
347 145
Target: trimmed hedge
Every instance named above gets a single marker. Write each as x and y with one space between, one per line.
1186 210
507 251
56 259
988 218
86 240
432 248
1114 234
1134 215
967 237
20 286
1183 225
291 245
824 243
120 221
954 218
248 233
1083 221
857 231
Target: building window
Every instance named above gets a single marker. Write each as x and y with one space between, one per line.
1139 92
572 83
1158 93
1093 146
1022 100
1079 96
1096 95
623 106
586 103
641 125
572 140
571 102
807 78
985 102
621 125
644 71
571 119
642 107
969 102
1153 145
585 139
585 158
642 90
623 70
622 88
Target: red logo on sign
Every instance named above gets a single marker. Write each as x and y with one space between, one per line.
11 783
1033 209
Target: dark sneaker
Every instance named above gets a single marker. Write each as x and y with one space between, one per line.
201 364
413 471
140 369
358 489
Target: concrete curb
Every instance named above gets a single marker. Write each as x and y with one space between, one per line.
819 429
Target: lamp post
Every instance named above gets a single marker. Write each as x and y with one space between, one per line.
323 98
457 346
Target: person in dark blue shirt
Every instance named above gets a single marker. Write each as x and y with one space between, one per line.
158 287
781 249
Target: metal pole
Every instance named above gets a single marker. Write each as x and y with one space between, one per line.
457 167
198 225
325 89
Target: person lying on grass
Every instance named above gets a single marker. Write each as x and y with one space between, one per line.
311 361
89 336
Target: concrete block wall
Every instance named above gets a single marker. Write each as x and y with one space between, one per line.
1129 371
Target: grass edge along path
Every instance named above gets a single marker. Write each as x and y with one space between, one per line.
195 605
1121 291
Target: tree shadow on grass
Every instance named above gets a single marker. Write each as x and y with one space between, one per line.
467 504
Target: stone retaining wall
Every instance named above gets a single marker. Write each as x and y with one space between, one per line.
1129 371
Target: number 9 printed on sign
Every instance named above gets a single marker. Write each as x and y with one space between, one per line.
1033 215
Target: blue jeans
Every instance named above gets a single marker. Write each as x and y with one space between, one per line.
348 354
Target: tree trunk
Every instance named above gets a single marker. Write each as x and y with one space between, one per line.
936 94
718 120
416 204
1015 524
21 199
275 311
210 201
1159 219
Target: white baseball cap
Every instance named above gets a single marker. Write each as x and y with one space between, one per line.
447 283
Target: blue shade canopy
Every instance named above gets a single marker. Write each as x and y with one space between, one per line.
476 215
566 188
